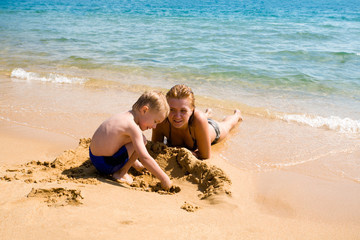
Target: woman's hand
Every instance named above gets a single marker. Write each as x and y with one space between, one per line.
196 154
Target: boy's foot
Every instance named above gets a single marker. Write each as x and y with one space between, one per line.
138 166
124 179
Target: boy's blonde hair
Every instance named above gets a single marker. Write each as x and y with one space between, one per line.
154 100
181 91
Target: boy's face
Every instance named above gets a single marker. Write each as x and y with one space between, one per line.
149 119
180 112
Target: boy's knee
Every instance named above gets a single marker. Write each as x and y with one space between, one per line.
129 148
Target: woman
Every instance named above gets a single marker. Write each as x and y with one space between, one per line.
188 127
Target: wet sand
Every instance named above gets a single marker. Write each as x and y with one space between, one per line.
50 190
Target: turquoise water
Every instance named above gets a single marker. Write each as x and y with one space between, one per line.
297 60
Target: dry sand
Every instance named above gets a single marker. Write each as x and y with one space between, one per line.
63 197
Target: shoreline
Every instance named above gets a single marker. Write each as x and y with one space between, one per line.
312 114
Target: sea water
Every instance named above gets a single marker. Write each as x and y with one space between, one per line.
293 61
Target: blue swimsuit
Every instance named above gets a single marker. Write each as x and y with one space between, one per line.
109 165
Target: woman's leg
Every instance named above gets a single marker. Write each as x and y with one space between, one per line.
228 123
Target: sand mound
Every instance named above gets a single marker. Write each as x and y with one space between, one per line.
70 166
75 166
180 163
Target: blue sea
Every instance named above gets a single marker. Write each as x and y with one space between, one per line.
297 61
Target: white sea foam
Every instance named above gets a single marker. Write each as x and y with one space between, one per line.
345 125
20 73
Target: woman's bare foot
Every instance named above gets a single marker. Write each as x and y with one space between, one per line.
237 113
208 112
126 178
138 166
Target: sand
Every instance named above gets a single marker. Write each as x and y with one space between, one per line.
50 190
65 197
74 166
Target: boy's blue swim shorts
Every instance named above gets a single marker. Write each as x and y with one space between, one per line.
109 165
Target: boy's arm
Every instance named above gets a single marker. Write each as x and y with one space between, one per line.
145 158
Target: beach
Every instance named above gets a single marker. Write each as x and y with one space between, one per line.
299 201
289 170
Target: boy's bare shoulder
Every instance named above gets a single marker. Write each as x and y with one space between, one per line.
124 117
128 122
122 121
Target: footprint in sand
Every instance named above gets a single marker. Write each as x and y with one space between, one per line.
56 197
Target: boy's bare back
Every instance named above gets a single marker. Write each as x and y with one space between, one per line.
113 133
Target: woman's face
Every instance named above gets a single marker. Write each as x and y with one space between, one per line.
180 112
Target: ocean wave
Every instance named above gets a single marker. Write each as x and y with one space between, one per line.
315 55
344 125
61 39
20 73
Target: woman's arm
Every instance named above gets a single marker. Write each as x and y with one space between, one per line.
202 135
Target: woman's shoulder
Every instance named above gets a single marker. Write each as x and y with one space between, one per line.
164 125
199 117
161 131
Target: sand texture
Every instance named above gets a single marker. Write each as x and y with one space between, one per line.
67 198
57 196
74 166
180 163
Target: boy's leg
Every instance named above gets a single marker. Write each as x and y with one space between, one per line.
138 166
122 174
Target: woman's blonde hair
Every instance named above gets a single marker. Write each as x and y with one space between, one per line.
181 91
154 100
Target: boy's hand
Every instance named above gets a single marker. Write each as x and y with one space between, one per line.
166 185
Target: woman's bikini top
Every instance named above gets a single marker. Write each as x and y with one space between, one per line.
194 139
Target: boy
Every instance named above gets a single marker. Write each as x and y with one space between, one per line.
119 142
